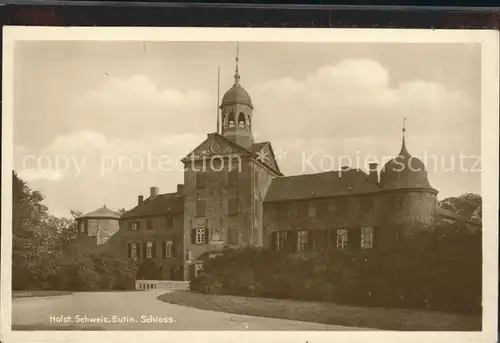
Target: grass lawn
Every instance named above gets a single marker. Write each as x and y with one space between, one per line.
41 293
328 313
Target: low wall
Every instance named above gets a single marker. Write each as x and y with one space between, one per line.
161 284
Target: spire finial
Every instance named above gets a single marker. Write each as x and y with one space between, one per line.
237 59
403 146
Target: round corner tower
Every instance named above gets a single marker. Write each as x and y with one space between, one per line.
409 199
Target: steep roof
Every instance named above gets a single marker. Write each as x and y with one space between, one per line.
162 204
102 212
327 184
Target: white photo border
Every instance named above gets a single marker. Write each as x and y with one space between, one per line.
489 40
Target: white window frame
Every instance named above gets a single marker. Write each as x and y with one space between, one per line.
342 237
367 237
168 249
149 249
302 240
134 226
134 250
200 236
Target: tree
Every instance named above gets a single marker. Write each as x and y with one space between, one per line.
468 205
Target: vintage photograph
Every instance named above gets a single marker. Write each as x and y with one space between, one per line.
227 183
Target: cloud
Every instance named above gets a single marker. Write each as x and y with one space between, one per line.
356 98
135 100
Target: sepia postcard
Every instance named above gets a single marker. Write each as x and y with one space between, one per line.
249 185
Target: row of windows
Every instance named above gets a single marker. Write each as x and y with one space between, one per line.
321 240
321 209
204 236
147 249
150 224
201 179
201 207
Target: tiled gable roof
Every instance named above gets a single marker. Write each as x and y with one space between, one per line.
102 212
160 205
328 184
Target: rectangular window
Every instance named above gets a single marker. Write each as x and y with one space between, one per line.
367 237
134 250
169 249
281 239
303 241
232 235
200 180
341 238
149 249
170 222
82 226
200 208
134 226
149 224
232 178
216 236
232 207
200 235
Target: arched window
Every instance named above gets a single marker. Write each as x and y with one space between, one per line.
241 120
231 121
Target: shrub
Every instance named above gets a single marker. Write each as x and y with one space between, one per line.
430 270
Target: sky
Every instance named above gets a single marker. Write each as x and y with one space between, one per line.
101 122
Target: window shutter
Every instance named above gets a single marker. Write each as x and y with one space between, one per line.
153 252
193 236
129 250
274 240
292 240
354 238
207 231
164 249
173 249
139 249
374 237
145 250
310 240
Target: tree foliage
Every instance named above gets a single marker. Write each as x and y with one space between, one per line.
44 257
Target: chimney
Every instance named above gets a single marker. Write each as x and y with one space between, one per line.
153 192
140 199
373 175
180 188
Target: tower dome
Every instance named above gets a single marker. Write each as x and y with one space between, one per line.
404 171
237 95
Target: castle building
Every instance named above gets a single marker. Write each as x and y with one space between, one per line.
235 195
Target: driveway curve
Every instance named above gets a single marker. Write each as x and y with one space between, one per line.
137 311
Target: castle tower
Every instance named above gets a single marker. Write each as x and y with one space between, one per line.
236 112
409 198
